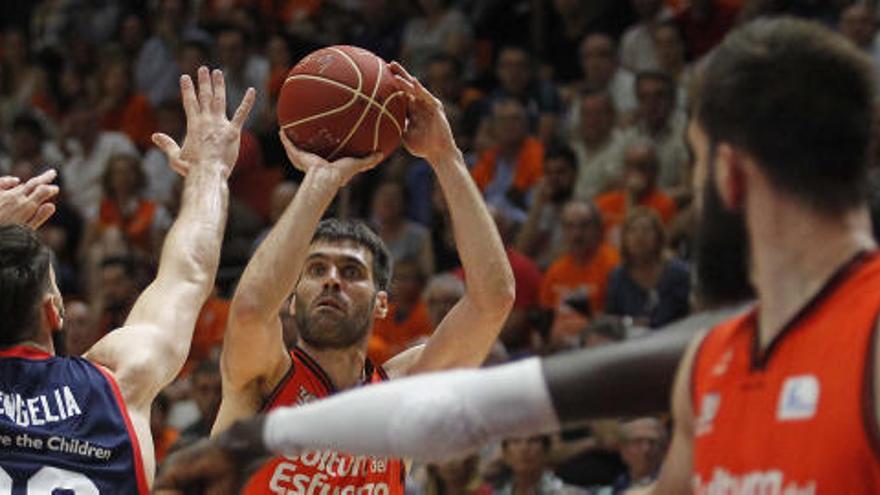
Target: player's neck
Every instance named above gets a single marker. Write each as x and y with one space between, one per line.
345 367
43 346
794 252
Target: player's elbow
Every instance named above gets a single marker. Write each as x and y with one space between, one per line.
495 296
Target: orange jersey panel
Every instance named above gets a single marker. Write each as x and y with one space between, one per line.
326 472
799 418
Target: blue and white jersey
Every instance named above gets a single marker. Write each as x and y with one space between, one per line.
64 429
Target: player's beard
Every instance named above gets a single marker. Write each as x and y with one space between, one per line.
333 330
722 249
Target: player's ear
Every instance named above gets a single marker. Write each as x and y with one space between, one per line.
381 310
291 305
730 176
53 312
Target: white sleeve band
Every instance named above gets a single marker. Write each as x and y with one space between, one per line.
426 417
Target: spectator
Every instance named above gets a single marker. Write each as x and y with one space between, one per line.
569 23
156 71
205 391
578 278
407 317
508 171
440 295
639 189
114 292
381 29
642 444
527 459
281 196
132 34
649 287
28 144
121 108
598 144
858 24
540 236
515 71
455 477
598 57
22 81
658 121
141 221
161 178
86 150
79 327
164 436
440 29
405 239
242 68
671 60
638 51
704 24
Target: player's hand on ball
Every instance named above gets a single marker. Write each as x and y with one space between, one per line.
29 203
211 138
428 134
339 172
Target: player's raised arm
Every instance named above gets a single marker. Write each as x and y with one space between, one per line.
148 352
466 334
254 357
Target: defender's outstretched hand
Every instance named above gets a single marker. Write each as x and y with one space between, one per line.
210 136
29 203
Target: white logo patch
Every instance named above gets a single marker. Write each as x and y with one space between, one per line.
799 398
708 410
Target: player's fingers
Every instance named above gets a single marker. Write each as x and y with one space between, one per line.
243 110
42 179
301 159
8 181
166 144
44 212
218 103
188 96
43 193
206 94
399 70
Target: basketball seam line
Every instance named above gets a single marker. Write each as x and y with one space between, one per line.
357 94
360 119
341 108
379 119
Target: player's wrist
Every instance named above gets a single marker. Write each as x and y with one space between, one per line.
244 440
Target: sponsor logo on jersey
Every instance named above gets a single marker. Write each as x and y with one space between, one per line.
722 364
57 405
330 473
769 482
798 399
708 410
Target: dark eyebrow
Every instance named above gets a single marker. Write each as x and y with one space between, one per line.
345 257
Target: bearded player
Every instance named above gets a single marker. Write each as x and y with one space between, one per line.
82 425
338 272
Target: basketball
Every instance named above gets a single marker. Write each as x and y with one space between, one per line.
342 101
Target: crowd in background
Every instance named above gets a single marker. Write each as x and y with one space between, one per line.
571 114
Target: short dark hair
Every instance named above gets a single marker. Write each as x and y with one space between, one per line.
24 279
556 150
358 232
799 98
655 75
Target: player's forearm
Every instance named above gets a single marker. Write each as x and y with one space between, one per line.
275 266
427 417
490 284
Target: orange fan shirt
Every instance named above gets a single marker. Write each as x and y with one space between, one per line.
323 472
391 336
613 206
798 418
566 275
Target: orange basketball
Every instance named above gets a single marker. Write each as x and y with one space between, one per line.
342 101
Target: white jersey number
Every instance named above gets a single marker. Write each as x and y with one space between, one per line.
48 479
